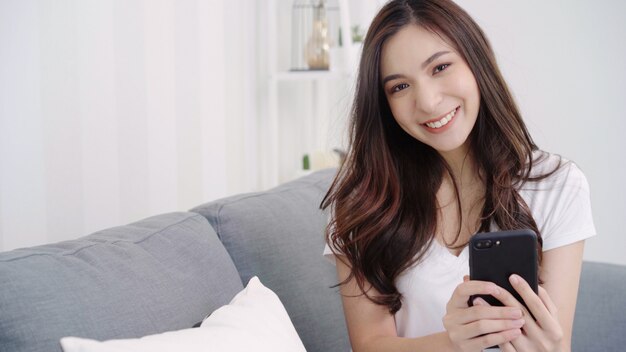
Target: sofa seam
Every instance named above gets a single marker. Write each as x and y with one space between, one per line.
218 222
64 254
218 226
257 194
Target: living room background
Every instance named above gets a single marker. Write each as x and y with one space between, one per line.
118 110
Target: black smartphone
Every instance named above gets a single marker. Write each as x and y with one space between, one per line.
494 256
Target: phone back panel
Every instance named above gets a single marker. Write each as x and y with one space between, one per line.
511 252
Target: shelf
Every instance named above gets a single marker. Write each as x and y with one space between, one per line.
308 75
315 84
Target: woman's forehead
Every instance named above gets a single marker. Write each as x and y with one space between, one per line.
412 42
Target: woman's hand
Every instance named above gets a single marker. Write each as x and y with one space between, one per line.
481 326
543 334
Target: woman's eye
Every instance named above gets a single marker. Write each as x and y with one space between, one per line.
440 68
399 87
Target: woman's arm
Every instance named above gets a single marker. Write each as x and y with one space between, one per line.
560 272
372 328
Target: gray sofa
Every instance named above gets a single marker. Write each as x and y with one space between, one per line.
169 271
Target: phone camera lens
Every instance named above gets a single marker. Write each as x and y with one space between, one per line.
484 244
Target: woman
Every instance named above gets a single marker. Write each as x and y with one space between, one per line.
438 153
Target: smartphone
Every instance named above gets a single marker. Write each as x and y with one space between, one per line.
494 256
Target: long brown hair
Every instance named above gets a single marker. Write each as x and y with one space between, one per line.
383 198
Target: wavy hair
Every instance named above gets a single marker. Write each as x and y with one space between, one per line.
383 199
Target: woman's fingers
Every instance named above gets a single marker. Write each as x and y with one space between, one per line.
484 333
464 291
535 304
506 298
487 319
554 330
507 347
483 312
547 301
495 339
545 325
482 327
523 343
511 326
500 319
478 301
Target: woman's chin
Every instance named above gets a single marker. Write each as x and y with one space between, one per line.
452 147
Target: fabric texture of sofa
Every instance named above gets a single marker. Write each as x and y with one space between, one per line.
169 271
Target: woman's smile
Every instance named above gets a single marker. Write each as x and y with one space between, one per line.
441 124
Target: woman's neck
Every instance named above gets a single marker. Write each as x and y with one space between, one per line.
463 166
460 223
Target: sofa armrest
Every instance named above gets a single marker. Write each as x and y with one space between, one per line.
163 273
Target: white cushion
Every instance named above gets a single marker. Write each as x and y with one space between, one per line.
255 320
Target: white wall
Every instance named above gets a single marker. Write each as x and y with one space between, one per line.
112 111
564 61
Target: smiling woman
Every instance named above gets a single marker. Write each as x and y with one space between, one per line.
439 152
430 98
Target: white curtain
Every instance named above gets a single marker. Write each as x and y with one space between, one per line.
112 111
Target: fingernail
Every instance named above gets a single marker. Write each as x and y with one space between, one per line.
516 314
514 279
480 302
519 322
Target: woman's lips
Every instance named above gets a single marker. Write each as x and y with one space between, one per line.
441 124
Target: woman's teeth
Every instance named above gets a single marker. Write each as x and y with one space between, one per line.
444 121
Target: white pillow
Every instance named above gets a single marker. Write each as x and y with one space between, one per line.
255 320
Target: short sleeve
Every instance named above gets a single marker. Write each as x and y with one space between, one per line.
562 208
328 254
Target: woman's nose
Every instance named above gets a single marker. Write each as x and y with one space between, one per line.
428 99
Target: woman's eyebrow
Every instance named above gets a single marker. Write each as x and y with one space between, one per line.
432 58
392 77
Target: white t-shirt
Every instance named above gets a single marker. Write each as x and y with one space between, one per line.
560 205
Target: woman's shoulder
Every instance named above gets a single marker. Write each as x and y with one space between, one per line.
559 199
555 170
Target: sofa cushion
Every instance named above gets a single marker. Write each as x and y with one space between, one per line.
163 273
600 320
255 320
278 236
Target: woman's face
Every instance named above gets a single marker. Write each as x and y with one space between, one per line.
432 92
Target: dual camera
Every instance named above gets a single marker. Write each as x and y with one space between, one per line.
486 244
